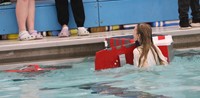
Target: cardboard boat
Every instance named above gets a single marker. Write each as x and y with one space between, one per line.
119 51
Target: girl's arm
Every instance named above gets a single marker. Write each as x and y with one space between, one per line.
136 55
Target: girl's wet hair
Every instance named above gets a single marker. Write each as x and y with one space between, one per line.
145 40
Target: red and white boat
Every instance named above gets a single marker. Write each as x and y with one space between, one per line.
120 51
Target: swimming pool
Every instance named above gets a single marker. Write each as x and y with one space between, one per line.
181 79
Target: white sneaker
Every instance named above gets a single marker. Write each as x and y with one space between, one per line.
82 31
195 24
185 28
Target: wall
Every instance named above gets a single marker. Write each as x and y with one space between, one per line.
98 13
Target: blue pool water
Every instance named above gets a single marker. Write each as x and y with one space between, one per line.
181 79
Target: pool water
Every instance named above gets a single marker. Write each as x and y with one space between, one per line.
181 79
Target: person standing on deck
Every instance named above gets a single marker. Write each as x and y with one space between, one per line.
63 16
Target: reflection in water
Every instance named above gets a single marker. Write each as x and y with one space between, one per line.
18 80
188 53
106 89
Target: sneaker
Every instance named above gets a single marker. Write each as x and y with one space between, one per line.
185 28
83 31
184 24
5 2
195 24
64 32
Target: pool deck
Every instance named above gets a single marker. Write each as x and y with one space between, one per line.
7 45
54 48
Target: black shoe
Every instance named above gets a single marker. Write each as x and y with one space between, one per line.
185 28
5 2
184 23
195 20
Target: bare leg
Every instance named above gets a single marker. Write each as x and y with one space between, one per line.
22 14
64 26
31 15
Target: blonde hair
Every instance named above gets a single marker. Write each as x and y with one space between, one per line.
145 40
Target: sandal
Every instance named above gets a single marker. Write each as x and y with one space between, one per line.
64 33
25 36
36 35
83 31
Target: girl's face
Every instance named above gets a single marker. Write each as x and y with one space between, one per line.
135 34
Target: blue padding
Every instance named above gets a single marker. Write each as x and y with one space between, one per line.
108 0
8 23
135 11
98 13
46 17
7 7
38 3
89 0
91 15
48 21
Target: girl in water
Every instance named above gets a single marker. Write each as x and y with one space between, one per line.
146 53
